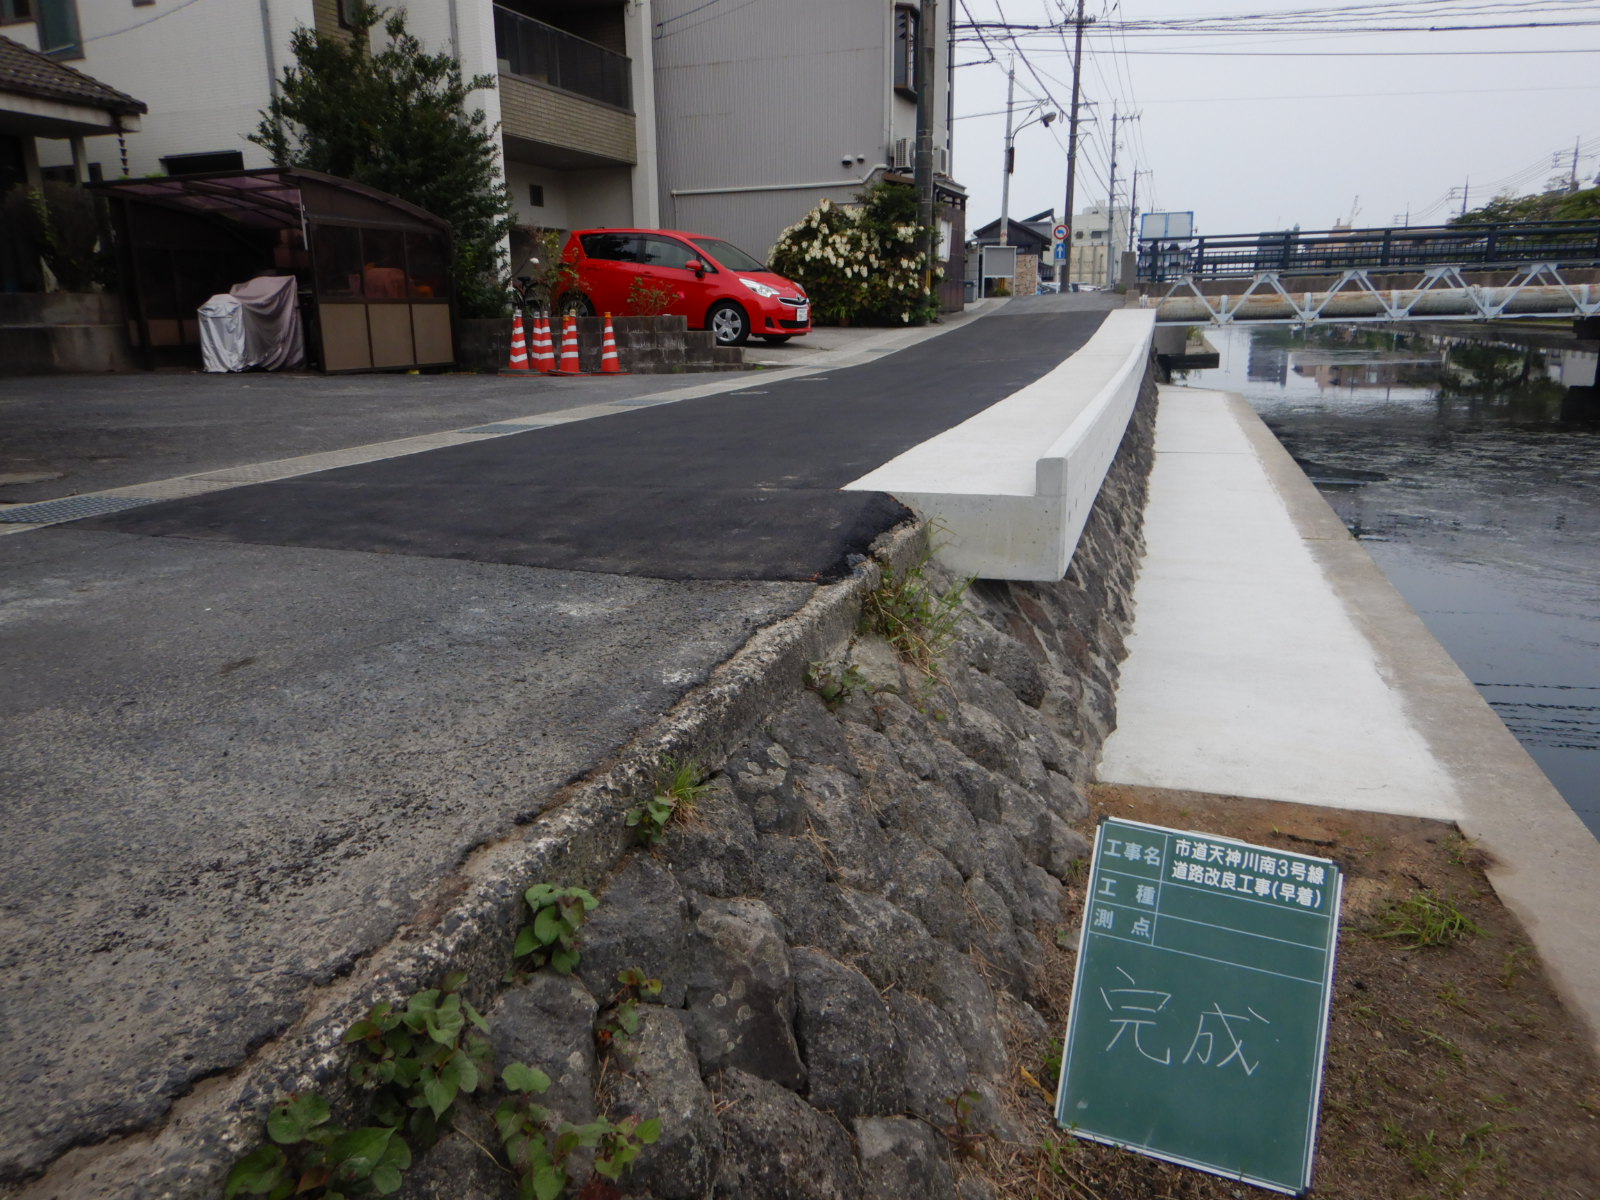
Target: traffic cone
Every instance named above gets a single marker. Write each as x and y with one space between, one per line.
569 348
519 347
608 353
542 356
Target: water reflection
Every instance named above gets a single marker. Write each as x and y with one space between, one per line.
1452 460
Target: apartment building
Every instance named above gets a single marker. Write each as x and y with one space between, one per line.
1099 237
730 117
766 108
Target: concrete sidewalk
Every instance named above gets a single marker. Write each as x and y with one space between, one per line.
1271 659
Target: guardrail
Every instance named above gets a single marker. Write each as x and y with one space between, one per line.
1397 248
1012 487
545 54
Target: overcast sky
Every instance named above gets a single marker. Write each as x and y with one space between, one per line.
1264 130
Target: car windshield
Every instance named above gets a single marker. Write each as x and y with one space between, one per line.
729 255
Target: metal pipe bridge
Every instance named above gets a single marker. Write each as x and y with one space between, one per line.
1455 273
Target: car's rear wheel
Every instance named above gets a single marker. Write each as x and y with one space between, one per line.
730 324
575 304
776 339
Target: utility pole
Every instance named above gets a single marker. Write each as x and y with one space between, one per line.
1010 157
926 64
1111 201
1072 142
1572 183
1133 208
1465 187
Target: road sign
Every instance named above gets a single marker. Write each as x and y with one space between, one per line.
1060 252
1059 233
1200 1004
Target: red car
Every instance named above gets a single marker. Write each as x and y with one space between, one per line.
713 283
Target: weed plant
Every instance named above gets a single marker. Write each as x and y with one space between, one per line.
918 620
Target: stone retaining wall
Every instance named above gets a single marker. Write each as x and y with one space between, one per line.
847 925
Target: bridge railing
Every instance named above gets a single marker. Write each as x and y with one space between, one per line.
1397 248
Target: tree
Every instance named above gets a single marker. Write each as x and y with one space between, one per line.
1557 204
396 119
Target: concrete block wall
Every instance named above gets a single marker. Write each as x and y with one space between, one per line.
645 345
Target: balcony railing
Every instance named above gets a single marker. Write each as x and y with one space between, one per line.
552 56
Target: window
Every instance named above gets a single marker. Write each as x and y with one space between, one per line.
906 21
206 163
666 252
535 195
12 11
347 12
612 247
58 28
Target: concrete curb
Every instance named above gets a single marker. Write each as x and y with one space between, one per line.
1544 858
470 919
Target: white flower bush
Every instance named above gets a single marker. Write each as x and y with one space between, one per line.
861 264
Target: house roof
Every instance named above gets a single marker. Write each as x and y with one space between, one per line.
26 72
1019 233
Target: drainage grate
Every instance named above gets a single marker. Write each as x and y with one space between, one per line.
72 508
503 427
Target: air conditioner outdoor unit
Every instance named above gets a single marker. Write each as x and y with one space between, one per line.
900 154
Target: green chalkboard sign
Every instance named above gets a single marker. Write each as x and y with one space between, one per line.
1200 1004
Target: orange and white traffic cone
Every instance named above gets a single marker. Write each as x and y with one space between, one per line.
608 353
569 348
519 347
542 355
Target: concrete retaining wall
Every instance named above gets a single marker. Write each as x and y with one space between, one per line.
56 333
1012 487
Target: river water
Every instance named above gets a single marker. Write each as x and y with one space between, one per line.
1449 460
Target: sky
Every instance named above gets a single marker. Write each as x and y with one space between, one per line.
1295 125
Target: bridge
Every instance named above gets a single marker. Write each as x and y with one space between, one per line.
1399 273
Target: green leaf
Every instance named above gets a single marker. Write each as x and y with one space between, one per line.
539 895
549 1181
361 1031
527 942
360 1150
454 981
563 960
257 1173
519 1077
291 1121
649 1132
466 1071
440 1093
548 926
476 1017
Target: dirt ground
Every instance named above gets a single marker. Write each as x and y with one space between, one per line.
1452 1070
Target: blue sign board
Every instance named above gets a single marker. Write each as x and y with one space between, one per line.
1200 1004
1061 252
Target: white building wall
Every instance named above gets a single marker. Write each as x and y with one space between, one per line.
205 70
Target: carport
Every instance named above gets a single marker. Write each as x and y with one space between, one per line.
373 271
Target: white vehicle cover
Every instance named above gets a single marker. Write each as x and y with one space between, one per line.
256 325
222 334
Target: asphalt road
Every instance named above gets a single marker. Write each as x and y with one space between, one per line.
742 485
236 757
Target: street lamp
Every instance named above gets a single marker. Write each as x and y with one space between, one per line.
1011 165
